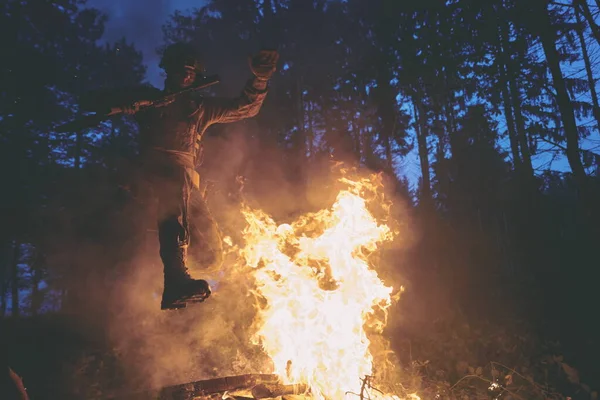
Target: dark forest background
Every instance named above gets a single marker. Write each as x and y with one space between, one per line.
503 255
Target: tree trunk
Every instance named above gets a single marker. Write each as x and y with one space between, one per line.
440 149
384 98
588 68
587 13
310 134
547 35
420 128
36 300
512 75
301 116
299 139
3 301
450 113
114 145
15 278
3 271
357 139
368 151
510 122
78 148
35 293
388 149
520 125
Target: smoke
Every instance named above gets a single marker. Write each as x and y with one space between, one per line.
161 348
212 339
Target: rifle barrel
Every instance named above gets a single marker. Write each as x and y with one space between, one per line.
92 120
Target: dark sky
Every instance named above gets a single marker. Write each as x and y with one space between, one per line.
140 22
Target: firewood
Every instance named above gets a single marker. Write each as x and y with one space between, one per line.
267 391
196 389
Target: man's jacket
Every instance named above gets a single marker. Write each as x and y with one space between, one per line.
176 130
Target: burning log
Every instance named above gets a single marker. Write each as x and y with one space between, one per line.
238 387
189 391
268 391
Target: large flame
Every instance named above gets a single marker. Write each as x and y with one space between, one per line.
318 293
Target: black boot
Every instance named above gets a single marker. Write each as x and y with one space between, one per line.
180 289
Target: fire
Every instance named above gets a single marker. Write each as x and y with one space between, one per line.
317 292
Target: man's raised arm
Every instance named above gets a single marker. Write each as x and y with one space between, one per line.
218 110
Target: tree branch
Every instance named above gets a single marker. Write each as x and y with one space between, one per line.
555 3
563 148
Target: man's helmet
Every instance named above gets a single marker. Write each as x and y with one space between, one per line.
179 55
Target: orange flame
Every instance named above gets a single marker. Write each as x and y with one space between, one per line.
318 292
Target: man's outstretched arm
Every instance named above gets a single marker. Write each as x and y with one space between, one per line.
219 110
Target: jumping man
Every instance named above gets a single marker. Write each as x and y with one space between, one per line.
171 138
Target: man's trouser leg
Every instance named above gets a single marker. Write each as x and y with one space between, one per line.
173 190
206 251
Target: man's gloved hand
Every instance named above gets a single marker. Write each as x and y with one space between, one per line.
264 64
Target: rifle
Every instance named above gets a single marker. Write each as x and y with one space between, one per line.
95 119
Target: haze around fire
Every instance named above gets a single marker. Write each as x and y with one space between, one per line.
213 339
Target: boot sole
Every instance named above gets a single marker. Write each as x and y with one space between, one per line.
184 301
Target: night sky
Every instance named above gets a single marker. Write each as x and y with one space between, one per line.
140 22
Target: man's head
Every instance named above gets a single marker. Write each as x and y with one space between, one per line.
182 64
